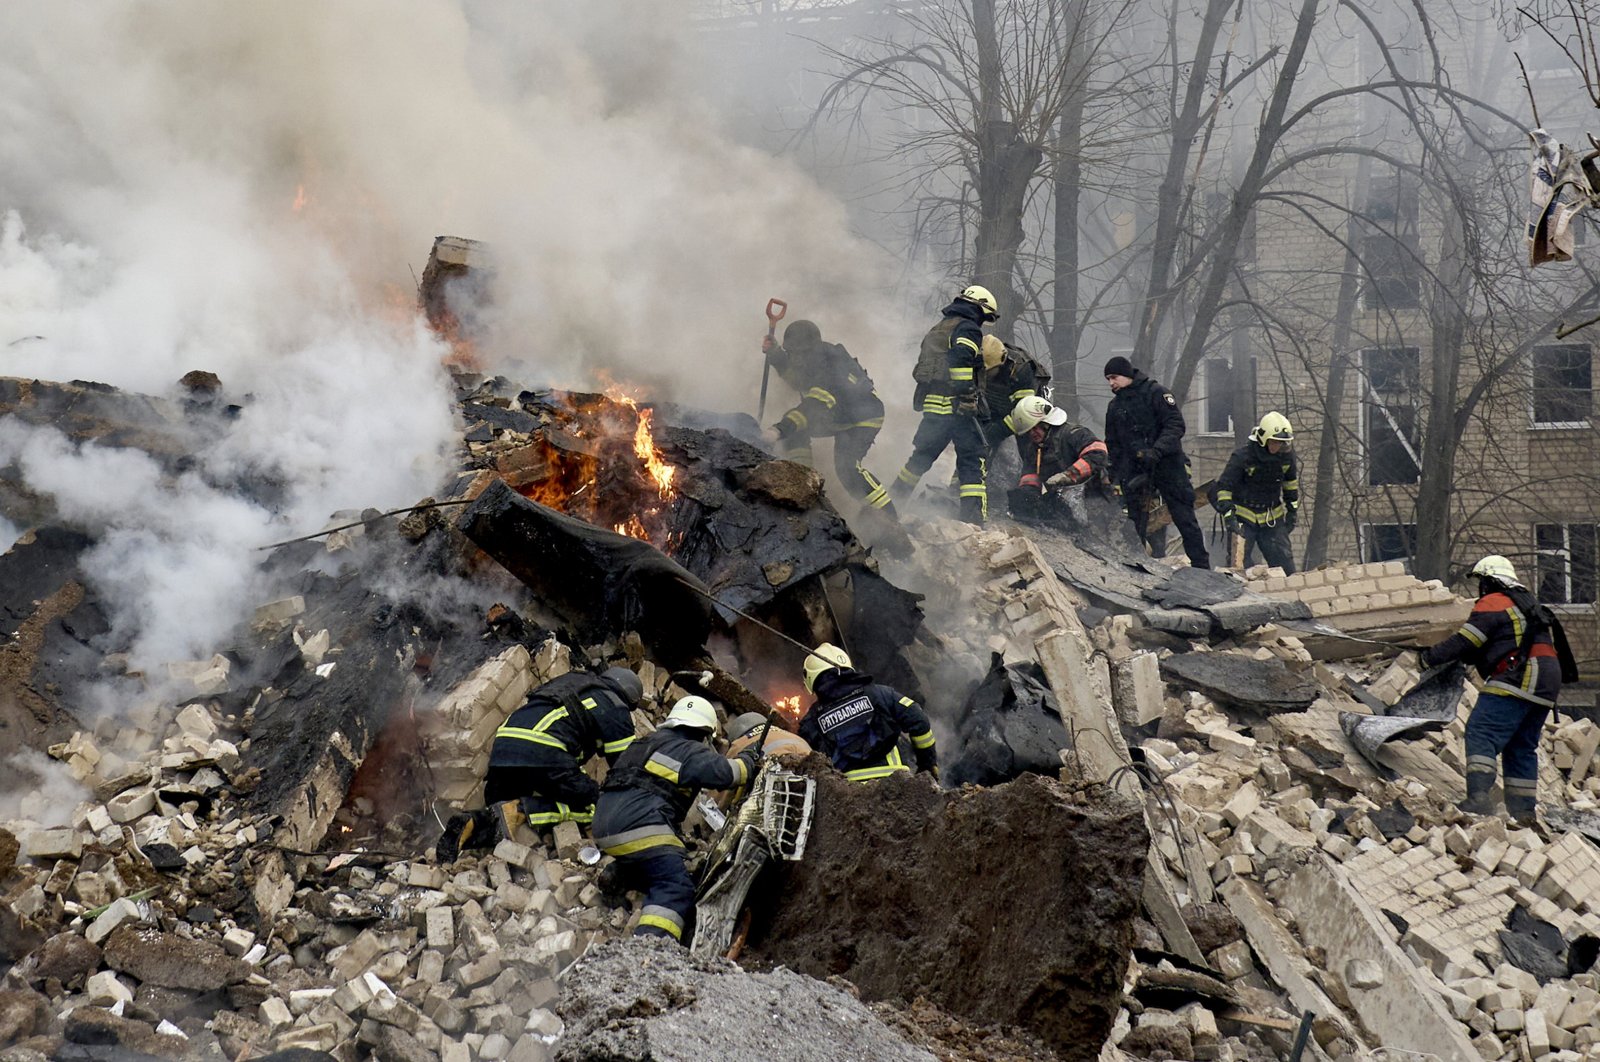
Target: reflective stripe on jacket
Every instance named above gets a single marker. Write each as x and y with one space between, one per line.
577 713
857 724
1259 487
653 785
1489 641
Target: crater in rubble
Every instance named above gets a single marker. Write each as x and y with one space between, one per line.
1010 906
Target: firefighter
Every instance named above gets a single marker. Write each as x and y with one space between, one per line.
742 733
1258 494
1144 436
536 762
857 723
1056 455
951 401
1520 650
836 398
1009 375
644 800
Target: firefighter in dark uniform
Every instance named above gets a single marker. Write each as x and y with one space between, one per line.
536 763
1144 435
836 398
1520 650
643 803
857 723
1009 376
1057 455
1258 494
951 401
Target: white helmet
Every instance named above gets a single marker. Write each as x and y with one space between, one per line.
981 295
1033 410
825 657
1497 568
693 713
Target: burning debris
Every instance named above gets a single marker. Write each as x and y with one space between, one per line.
1159 752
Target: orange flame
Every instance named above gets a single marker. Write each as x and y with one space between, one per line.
644 445
789 707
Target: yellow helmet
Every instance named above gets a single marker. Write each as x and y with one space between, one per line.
1274 427
1033 410
980 295
994 351
825 657
1497 568
693 713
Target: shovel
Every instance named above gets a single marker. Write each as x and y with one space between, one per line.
776 308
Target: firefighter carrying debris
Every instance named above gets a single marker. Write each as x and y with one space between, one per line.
645 798
536 762
1258 494
951 401
1519 647
857 723
836 398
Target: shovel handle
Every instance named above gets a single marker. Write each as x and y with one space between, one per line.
776 308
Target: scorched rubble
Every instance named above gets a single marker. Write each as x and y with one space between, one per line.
242 872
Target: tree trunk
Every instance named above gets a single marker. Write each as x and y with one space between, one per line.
1448 322
1006 165
1221 263
1064 329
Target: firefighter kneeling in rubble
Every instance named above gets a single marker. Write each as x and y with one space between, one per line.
1056 455
536 762
857 723
1518 646
643 803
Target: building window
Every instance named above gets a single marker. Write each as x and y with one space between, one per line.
1384 542
1388 249
1566 563
1561 384
1219 397
1390 381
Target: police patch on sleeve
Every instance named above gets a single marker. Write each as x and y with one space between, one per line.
1170 400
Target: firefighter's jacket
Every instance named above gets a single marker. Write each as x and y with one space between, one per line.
576 714
1069 448
1492 639
1144 416
958 337
1007 384
857 724
1259 487
649 791
836 394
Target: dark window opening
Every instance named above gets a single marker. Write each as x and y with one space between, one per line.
1386 542
1392 380
1389 249
1561 383
1219 396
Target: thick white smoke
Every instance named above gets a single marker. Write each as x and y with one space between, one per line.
249 188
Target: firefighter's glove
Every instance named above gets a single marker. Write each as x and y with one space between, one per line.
1291 518
1029 480
1061 481
768 345
1137 486
751 755
969 404
1230 522
1147 458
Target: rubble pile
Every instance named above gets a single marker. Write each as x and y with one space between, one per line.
1380 601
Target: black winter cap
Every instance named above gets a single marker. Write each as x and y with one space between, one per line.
1120 366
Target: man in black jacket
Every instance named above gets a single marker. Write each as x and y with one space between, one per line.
857 723
1144 435
643 803
947 377
1258 494
1520 650
536 763
836 398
